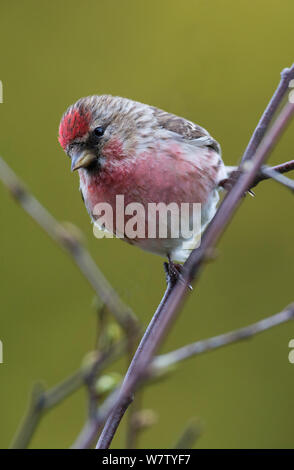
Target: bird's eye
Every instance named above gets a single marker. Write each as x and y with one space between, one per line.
99 131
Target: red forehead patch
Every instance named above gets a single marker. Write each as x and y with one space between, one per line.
74 124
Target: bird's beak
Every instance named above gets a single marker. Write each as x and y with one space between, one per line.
82 159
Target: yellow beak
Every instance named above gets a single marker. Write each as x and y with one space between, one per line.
82 160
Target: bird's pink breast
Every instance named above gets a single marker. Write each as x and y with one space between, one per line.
168 175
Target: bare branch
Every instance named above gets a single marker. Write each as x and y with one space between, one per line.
88 434
199 347
267 172
92 426
281 168
43 400
72 245
250 172
189 436
133 427
31 419
162 320
165 361
126 398
286 75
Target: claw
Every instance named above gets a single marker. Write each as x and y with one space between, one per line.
174 273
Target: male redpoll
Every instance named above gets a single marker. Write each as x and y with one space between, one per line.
124 148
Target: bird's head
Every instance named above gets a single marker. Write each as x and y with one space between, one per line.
100 129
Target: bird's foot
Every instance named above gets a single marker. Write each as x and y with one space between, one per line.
173 273
229 182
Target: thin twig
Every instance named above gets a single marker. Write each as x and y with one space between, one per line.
72 245
248 172
116 404
133 429
143 356
199 347
286 75
47 399
115 417
272 172
284 167
43 400
30 420
189 435
88 434
267 173
92 427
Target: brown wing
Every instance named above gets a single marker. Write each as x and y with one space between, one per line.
184 128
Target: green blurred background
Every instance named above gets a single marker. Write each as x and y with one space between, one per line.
216 63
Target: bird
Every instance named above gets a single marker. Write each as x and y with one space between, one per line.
149 156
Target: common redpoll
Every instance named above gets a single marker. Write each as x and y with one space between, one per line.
145 156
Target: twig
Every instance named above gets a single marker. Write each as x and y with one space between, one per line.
284 167
172 304
286 75
248 172
31 419
88 434
133 428
199 347
115 417
43 400
189 435
267 172
272 173
116 404
165 361
72 245
91 428
87 266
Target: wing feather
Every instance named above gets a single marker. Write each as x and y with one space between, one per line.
184 128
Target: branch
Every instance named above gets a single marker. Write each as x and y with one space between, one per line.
189 435
160 323
283 167
272 173
73 247
265 173
126 398
286 75
43 400
199 347
164 361
133 427
92 427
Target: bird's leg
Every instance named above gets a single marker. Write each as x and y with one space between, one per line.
172 271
